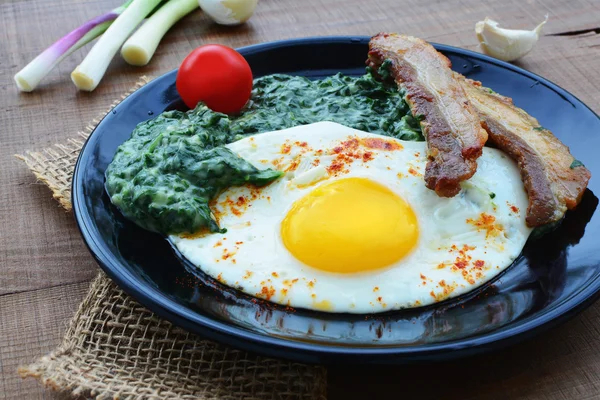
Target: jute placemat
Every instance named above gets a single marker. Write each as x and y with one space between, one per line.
115 348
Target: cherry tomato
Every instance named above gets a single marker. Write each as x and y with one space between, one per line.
217 75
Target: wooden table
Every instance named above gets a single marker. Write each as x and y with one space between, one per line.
45 267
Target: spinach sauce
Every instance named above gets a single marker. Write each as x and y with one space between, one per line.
165 175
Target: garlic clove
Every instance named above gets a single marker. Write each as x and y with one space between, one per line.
506 44
229 12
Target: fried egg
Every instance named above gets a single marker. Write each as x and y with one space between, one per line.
351 227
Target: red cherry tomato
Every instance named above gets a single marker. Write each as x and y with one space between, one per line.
217 75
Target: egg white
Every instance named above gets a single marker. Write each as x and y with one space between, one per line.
457 250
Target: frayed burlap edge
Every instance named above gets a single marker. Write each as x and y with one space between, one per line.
114 348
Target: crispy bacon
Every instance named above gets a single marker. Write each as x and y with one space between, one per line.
451 126
553 179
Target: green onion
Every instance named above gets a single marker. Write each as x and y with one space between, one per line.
89 73
140 47
30 76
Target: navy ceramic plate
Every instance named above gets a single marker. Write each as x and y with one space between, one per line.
554 278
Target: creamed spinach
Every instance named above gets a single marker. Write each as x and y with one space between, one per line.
165 175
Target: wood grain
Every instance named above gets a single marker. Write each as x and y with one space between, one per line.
44 265
31 324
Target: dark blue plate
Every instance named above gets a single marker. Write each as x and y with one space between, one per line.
554 278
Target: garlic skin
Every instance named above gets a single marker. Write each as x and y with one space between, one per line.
229 12
506 44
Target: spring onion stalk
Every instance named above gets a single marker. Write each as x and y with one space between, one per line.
89 73
30 76
140 47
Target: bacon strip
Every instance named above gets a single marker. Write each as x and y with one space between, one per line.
554 183
451 126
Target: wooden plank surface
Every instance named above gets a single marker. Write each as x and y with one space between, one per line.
44 265
31 324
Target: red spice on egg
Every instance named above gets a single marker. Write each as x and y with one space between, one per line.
227 254
345 154
413 172
381 144
513 208
241 201
266 292
285 148
368 156
335 167
487 223
351 144
293 165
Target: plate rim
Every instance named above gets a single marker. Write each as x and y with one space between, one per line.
240 337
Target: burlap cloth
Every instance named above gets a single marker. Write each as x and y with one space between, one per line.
116 348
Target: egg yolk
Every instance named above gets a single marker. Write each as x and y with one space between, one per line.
350 225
